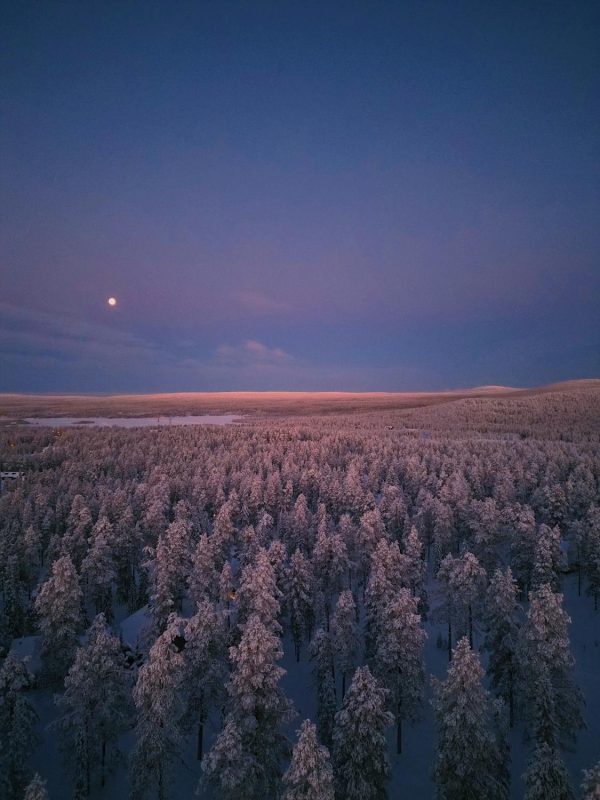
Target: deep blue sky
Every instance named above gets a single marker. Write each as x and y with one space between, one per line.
298 195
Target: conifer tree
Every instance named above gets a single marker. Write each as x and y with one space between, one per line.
228 767
360 759
345 635
590 786
158 699
98 567
170 571
463 579
258 593
205 666
330 560
548 559
384 581
414 567
546 777
203 580
300 588
501 639
58 606
95 705
257 710
17 727
14 607
226 590
309 776
469 756
546 668
36 789
321 653
523 546
399 659
592 564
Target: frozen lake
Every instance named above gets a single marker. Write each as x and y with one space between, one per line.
132 422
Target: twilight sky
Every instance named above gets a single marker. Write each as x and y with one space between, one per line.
298 195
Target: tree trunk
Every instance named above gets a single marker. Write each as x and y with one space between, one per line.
200 741
399 734
470 626
343 684
449 638
161 786
103 764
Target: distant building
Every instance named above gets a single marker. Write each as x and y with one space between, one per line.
10 477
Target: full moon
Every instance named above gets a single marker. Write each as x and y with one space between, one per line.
112 301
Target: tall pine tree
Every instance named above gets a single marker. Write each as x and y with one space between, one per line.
469 754
360 759
309 776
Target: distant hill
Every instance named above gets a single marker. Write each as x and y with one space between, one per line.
18 406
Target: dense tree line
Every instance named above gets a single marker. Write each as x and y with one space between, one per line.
341 535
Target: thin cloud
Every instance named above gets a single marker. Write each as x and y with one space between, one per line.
252 351
260 303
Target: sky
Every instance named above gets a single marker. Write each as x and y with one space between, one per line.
298 195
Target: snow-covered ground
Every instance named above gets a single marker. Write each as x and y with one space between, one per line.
132 422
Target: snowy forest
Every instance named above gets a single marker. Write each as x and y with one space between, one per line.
344 606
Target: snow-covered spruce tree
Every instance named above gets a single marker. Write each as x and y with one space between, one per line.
399 659
170 571
309 776
300 526
126 548
258 593
361 767
226 591
502 633
17 728
159 704
223 535
463 582
227 767
98 568
546 777
344 633
469 756
58 606
257 710
330 562
36 789
300 599
485 531
95 706
370 532
321 654
548 559
545 661
590 786
203 580
278 557
524 537
205 667
384 581
592 564
414 567
12 591
79 526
